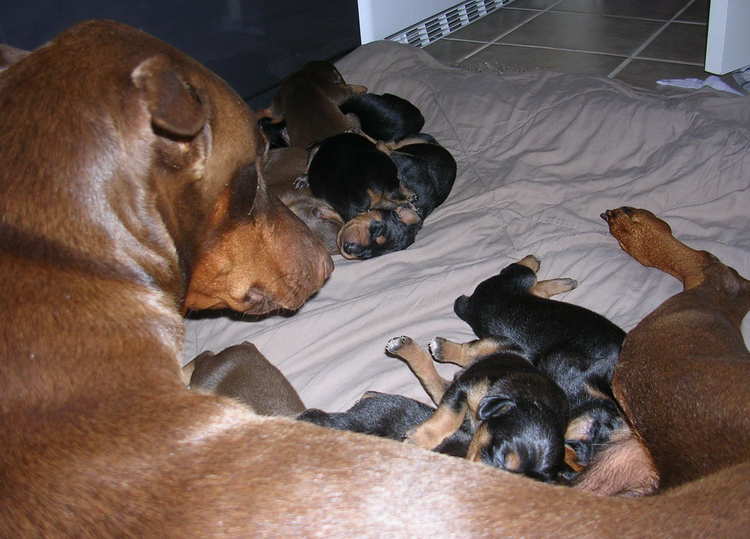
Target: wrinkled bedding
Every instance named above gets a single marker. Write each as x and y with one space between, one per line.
540 156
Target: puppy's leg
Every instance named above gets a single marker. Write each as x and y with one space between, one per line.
463 354
531 262
649 240
421 365
551 287
446 420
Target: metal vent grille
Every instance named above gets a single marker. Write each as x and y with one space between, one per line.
440 25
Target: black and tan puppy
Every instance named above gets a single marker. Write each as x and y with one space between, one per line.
242 373
425 169
352 175
385 117
516 415
285 172
388 416
577 348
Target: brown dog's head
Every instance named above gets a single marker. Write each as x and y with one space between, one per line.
154 162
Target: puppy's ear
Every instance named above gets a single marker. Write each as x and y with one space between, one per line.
407 216
494 406
174 105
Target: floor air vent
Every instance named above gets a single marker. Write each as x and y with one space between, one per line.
448 21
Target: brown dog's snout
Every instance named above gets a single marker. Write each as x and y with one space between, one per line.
268 261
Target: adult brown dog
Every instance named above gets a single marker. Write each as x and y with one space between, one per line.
100 437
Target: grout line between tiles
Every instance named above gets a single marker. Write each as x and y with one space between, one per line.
501 36
648 41
544 47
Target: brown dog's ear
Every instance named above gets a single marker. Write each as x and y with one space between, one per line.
175 106
10 55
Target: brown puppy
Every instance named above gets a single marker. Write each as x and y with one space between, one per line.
242 373
688 355
285 174
308 101
100 436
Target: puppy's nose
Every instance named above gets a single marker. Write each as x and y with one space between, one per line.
351 248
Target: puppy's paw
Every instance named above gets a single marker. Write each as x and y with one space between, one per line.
436 348
397 343
531 262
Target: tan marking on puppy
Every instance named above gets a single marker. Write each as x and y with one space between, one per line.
571 459
421 365
531 262
578 428
475 395
462 354
595 392
551 287
356 231
444 422
479 441
512 461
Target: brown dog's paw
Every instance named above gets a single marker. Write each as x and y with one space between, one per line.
639 232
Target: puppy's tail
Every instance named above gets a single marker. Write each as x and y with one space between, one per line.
623 467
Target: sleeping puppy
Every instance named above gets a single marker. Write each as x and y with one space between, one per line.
285 174
242 373
577 348
384 117
424 168
378 232
353 176
308 103
388 416
516 415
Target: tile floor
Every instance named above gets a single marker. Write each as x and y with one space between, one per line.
636 41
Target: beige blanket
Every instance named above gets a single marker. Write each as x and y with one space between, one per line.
540 156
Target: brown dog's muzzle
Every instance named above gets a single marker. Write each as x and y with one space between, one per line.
263 260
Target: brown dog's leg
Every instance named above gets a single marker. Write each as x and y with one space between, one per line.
682 378
463 354
421 365
649 240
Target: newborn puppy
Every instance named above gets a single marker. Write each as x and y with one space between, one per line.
285 174
427 169
388 416
513 413
378 232
353 176
242 373
308 103
384 117
575 347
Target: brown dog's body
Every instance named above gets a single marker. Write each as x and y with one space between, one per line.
693 342
105 221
